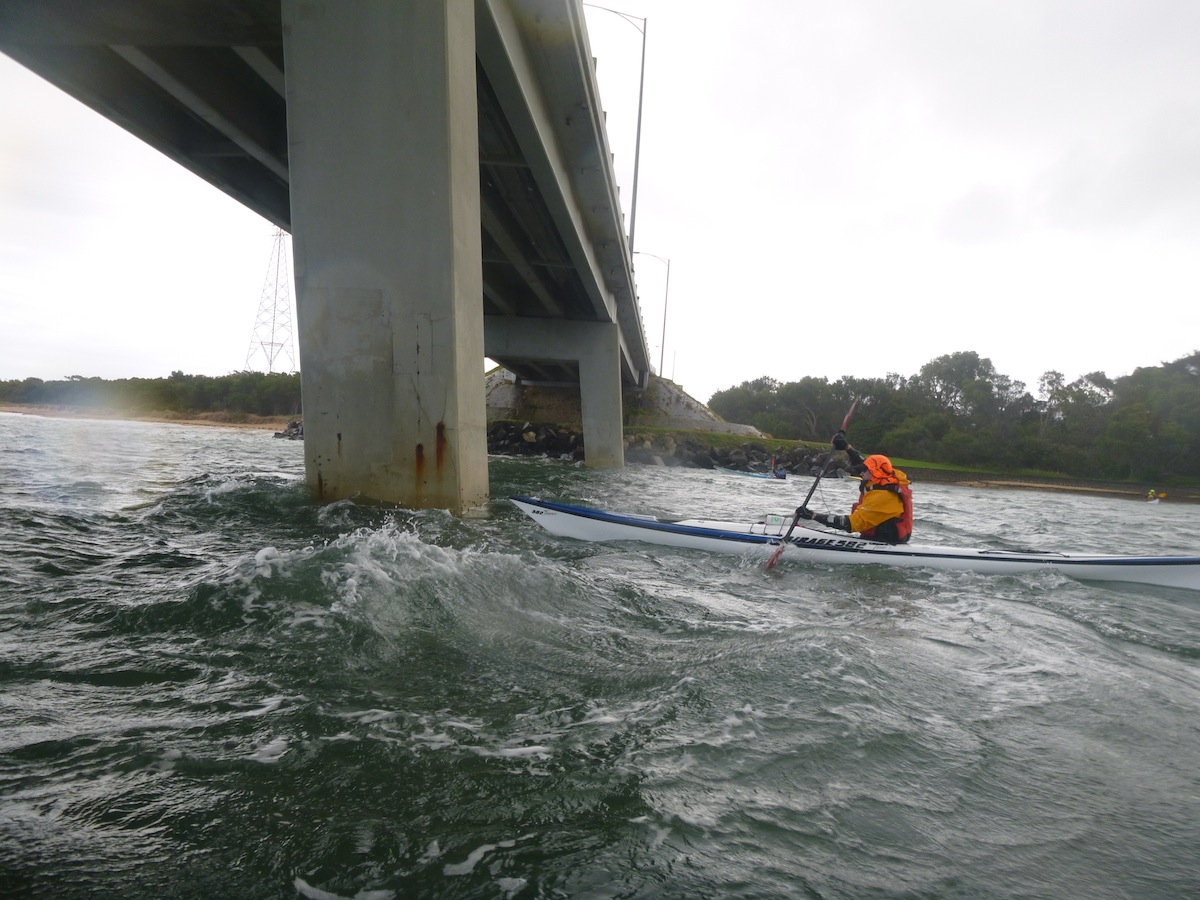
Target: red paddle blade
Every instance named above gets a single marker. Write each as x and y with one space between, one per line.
774 557
849 413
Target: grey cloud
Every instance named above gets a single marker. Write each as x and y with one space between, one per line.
1151 183
982 215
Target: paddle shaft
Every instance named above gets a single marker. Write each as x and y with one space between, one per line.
796 518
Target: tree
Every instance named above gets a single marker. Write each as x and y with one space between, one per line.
745 402
944 379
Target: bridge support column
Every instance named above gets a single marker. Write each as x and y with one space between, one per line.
596 348
384 160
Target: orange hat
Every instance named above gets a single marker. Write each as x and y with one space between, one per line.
881 469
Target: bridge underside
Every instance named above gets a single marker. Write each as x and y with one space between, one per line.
470 183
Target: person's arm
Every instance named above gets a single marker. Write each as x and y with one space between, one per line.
876 508
840 443
840 522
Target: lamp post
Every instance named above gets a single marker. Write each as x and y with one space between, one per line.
662 350
637 145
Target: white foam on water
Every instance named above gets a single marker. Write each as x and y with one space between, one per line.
370 716
337 512
340 736
265 707
306 890
271 752
474 857
166 762
510 887
537 751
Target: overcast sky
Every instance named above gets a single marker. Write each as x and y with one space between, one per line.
846 188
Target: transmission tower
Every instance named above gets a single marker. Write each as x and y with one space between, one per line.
272 337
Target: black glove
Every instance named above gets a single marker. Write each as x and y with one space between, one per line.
839 441
804 513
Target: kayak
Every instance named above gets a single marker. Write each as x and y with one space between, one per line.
815 545
766 475
839 474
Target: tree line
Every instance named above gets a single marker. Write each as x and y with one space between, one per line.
959 410
250 393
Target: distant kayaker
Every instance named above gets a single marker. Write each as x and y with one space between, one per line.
883 511
777 467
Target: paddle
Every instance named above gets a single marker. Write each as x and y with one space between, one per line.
778 552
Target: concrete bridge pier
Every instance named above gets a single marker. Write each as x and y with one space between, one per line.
595 346
384 182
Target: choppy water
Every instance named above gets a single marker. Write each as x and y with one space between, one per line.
213 687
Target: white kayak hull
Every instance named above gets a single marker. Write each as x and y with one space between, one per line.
817 546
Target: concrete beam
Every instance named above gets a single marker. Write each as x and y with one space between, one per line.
384 156
596 347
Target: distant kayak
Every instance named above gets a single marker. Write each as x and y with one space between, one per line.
766 475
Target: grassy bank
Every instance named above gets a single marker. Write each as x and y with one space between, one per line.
943 473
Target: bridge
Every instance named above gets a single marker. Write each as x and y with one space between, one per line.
444 170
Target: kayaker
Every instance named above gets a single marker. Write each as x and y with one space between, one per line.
777 468
883 511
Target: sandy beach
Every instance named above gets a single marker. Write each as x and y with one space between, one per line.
222 420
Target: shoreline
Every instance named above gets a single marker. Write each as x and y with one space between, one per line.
1177 495
279 423
988 481
214 420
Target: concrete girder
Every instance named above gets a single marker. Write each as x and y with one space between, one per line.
595 347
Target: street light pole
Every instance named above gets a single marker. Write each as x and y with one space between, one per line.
637 146
662 350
